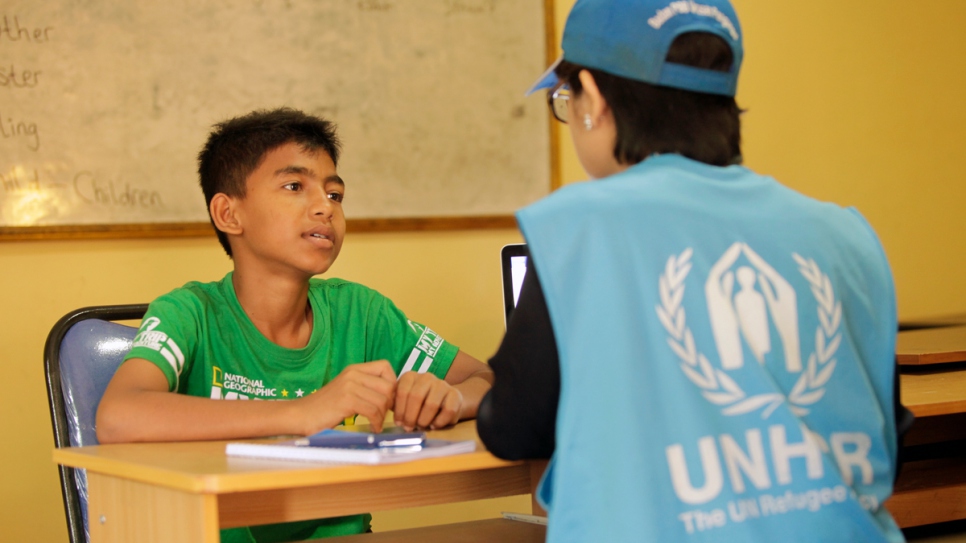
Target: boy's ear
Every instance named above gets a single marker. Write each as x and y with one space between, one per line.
223 213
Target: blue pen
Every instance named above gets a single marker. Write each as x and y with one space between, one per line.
337 438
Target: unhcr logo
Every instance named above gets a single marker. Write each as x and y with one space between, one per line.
744 303
683 7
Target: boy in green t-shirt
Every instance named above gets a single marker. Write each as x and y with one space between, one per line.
270 331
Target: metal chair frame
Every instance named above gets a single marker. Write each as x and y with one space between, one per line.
55 398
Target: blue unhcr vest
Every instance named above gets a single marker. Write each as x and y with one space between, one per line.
726 354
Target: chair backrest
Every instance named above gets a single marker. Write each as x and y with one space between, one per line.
83 351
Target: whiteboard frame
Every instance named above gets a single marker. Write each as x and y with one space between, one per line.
403 224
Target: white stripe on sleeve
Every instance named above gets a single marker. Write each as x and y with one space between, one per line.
413 356
425 365
174 365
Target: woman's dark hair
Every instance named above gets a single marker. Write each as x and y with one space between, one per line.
652 119
237 146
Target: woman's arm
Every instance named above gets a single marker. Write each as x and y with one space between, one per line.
518 417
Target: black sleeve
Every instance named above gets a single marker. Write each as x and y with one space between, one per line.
517 417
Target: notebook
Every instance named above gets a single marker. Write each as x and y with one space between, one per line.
338 446
513 259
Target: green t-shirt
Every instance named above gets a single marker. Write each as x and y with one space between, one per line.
205 344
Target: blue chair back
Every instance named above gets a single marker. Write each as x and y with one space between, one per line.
83 351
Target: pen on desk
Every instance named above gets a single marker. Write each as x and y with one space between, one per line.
533 519
339 438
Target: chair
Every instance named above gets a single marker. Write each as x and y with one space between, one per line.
81 354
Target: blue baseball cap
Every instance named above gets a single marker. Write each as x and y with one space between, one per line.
631 38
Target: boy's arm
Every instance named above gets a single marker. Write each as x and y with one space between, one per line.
473 379
137 406
426 401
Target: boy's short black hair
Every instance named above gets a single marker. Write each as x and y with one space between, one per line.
652 119
237 146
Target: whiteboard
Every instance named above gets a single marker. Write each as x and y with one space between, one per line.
105 104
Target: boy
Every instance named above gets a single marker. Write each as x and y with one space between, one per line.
269 331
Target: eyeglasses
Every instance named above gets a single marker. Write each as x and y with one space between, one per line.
557 99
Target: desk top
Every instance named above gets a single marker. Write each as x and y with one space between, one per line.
203 466
932 322
931 346
937 391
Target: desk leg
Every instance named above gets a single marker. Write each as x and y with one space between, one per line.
537 467
123 511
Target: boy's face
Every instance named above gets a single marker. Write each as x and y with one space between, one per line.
292 211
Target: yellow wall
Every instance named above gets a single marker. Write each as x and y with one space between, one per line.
854 103
861 103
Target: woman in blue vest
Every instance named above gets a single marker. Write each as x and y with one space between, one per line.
706 354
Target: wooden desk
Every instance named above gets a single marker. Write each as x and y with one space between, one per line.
933 386
931 346
932 322
495 530
932 382
185 492
935 391
929 492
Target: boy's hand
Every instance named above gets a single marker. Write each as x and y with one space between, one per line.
364 389
426 401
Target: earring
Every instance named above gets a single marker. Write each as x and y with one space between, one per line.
588 123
